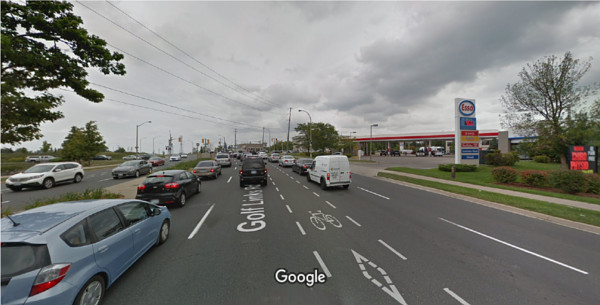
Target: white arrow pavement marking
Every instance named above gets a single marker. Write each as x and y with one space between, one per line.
390 289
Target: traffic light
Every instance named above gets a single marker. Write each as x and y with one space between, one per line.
207 141
202 140
179 139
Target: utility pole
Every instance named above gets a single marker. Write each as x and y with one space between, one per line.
235 139
288 135
263 138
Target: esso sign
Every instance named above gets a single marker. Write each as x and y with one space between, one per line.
466 108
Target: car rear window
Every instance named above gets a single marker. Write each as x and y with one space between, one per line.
204 164
251 164
19 258
158 179
222 156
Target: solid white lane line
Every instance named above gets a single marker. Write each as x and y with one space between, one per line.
277 189
456 297
322 264
316 194
354 221
105 179
201 222
300 227
229 180
392 249
281 197
289 209
516 247
7 201
329 203
360 188
306 187
298 181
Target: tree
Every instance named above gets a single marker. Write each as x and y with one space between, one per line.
82 144
546 100
33 62
120 150
324 135
46 147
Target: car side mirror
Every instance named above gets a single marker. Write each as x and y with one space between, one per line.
156 211
57 170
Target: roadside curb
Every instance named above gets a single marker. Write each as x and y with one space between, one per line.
128 188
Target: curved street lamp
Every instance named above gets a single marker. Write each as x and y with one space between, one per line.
309 131
371 142
136 135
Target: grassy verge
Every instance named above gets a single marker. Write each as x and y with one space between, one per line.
72 196
557 210
187 165
483 176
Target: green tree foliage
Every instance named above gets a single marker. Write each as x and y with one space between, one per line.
545 103
120 150
46 147
324 135
82 144
33 62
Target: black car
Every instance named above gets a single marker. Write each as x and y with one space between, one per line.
170 187
102 157
253 171
301 165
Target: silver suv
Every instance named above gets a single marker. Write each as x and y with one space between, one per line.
223 159
46 175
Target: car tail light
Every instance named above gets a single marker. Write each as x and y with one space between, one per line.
172 185
265 170
195 171
350 175
241 171
49 277
327 176
212 170
141 187
228 159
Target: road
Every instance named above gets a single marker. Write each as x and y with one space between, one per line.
392 245
93 179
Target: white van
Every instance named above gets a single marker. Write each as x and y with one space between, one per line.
436 151
329 171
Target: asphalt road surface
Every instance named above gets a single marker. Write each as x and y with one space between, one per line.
387 244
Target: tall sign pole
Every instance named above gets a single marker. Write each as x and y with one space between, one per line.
288 135
466 137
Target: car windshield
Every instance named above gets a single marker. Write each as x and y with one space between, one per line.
204 164
130 163
42 168
158 179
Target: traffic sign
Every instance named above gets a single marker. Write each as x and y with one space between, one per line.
470 157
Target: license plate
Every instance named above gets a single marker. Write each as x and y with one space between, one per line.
155 201
17 184
120 175
253 172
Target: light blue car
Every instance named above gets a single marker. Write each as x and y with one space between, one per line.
70 252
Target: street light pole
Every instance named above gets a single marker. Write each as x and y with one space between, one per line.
371 142
309 131
136 135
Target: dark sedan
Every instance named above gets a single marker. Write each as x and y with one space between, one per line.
170 187
301 165
132 169
102 157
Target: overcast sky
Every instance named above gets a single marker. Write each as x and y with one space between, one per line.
350 64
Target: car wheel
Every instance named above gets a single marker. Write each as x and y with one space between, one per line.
137 174
264 183
92 292
15 188
77 178
182 199
323 184
163 235
115 177
198 190
241 184
48 183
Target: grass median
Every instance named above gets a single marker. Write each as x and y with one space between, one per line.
556 210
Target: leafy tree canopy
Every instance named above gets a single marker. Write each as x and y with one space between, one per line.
324 135
82 144
34 37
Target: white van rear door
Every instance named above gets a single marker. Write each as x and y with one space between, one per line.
344 170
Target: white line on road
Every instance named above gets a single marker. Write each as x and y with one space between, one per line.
289 209
322 264
360 188
7 201
273 182
306 187
105 179
316 194
281 197
229 180
515 247
455 296
392 249
329 203
201 221
277 189
354 221
300 227
291 177
298 181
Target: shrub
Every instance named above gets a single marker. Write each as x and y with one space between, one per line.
497 158
534 177
505 174
569 181
541 159
593 181
459 167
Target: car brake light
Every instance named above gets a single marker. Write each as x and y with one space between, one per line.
49 277
195 171
172 185
241 171
350 175
265 170
141 187
327 176
212 170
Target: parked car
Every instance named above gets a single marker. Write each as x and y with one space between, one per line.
330 171
156 161
46 175
57 254
287 160
102 157
208 168
144 157
175 158
184 156
274 157
301 165
39 159
253 171
130 157
169 187
223 159
133 168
